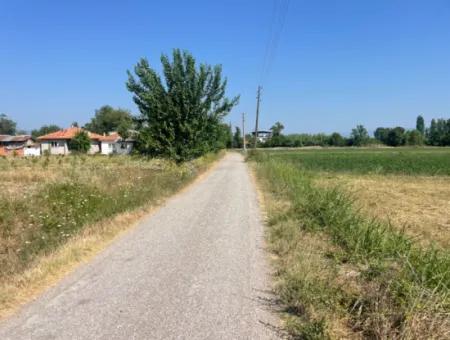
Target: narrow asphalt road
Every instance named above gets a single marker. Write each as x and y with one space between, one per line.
195 269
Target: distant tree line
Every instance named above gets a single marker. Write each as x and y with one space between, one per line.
437 134
358 137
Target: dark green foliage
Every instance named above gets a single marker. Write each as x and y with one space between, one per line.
396 136
414 137
336 140
237 138
359 136
420 125
277 138
180 116
381 134
277 129
45 129
439 132
224 137
7 126
108 119
80 142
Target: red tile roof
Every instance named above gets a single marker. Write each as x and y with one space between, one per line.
112 137
69 134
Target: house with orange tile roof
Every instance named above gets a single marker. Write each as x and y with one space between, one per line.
57 143
113 143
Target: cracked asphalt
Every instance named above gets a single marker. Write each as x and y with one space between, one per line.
194 269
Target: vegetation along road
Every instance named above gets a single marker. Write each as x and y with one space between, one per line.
194 269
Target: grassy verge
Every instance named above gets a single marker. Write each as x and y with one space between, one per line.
60 211
343 275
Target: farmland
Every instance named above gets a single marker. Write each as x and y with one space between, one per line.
48 202
360 240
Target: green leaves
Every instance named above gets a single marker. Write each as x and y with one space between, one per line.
80 142
180 117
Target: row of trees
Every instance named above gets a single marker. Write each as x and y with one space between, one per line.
359 137
437 134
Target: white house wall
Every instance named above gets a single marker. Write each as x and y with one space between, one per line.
61 147
31 151
107 148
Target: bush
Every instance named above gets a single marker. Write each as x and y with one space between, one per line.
80 142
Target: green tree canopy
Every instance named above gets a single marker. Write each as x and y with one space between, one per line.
80 142
45 129
381 134
237 138
336 139
396 136
359 136
179 116
277 129
414 137
108 119
420 125
7 125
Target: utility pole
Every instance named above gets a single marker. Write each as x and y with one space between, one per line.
258 99
243 131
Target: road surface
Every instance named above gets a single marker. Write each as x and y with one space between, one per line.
195 269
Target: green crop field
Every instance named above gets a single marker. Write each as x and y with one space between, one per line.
346 265
405 161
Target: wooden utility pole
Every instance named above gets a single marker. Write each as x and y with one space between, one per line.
243 132
258 98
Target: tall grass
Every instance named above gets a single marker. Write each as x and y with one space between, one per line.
52 199
400 290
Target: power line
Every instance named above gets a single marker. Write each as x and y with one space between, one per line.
280 10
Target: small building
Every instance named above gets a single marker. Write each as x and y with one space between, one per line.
57 143
262 135
115 144
14 145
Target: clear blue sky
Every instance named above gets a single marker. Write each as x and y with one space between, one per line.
338 63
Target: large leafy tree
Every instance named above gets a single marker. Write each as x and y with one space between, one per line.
396 136
181 116
381 134
7 126
359 136
45 129
336 139
108 119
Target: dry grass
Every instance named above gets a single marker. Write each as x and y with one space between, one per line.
420 205
113 175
